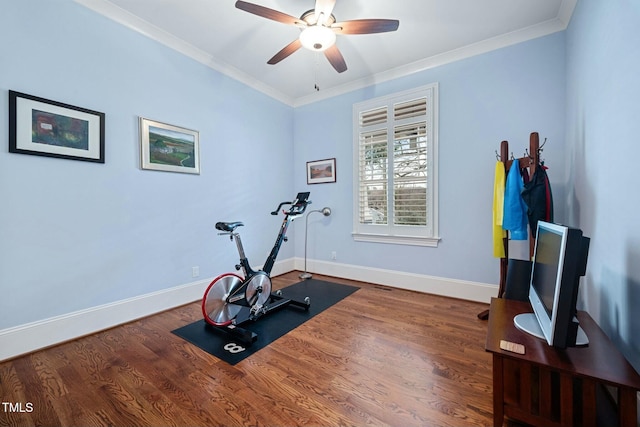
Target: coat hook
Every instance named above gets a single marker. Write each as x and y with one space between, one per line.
543 142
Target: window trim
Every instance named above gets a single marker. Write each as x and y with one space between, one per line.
395 234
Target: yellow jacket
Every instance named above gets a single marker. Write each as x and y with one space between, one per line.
498 206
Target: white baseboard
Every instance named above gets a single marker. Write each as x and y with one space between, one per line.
462 289
33 336
23 339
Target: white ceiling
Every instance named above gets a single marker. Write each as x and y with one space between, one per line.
431 33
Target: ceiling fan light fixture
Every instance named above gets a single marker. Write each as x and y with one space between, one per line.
319 29
317 38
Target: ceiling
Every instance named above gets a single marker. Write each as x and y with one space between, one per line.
431 33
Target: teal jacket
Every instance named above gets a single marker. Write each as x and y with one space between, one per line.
515 209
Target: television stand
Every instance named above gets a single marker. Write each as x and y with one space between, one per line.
556 387
528 322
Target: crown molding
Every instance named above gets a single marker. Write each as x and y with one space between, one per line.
127 19
488 45
121 16
566 11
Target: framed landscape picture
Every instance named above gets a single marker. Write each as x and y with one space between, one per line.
43 127
321 171
169 148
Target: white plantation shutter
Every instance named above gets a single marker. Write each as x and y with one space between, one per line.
395 148
410 163
373 167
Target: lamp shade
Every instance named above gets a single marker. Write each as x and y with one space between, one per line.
317 38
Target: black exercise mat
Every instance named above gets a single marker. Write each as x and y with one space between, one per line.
271 326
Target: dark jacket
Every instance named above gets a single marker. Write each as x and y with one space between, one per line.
537 195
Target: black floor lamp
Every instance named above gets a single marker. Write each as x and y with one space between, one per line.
326 212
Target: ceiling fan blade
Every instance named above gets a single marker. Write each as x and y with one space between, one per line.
336 59
365 26
323 10
286 51
265 12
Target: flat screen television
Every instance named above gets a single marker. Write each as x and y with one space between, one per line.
559 260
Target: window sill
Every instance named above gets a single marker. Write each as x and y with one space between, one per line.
397 240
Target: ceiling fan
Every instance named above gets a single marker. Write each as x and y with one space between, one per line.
319 29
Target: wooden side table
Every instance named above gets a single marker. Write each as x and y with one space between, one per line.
553 387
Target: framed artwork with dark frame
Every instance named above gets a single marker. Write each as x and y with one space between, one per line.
43 127
321 171
169 148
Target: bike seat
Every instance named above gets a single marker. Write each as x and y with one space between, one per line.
228 226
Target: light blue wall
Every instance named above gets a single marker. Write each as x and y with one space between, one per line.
74 235
502 95
603 135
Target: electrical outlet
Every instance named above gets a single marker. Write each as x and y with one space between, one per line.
334 255
195 271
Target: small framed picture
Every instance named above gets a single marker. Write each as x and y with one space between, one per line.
43 127
169 148
321 171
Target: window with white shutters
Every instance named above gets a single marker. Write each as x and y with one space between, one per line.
395 168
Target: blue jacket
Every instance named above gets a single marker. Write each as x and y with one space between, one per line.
515 210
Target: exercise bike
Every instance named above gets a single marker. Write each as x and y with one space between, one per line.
231 300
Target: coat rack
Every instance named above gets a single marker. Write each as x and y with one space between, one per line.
531 161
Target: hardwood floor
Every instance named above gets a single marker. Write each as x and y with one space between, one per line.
381 356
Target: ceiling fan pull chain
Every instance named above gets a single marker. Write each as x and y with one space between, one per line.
315 72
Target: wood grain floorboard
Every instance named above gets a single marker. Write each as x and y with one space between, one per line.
380 357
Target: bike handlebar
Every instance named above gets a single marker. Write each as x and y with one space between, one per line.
298 206
279 206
